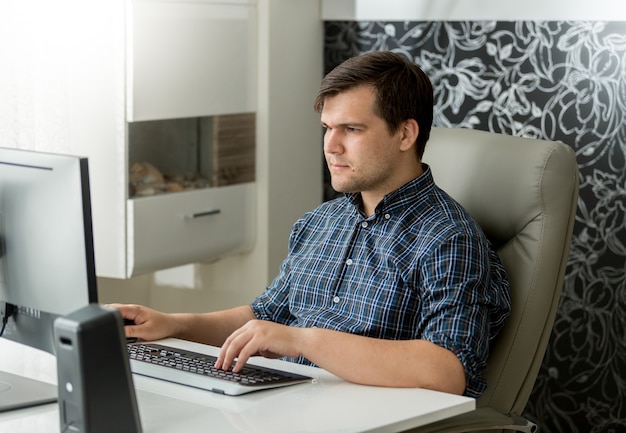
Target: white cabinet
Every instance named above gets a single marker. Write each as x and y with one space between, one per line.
190 58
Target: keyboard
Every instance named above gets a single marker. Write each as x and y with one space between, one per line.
198 370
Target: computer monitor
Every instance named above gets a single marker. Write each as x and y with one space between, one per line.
47 264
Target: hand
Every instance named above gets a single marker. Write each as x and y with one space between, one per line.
259 337
148 324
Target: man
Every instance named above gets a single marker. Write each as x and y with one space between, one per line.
392 284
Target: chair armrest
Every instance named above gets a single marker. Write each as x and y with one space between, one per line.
479 420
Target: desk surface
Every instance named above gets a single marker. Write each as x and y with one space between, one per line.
327 405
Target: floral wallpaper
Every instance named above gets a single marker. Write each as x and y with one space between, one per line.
562 81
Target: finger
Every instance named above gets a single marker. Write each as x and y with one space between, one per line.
243 357
223 361
219 362
247 347
132 331
233 349
128 312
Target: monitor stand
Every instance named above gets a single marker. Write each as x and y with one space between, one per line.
17 392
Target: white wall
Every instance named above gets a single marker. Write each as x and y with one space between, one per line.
289 170
416 10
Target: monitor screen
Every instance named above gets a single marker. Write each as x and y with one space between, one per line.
47 264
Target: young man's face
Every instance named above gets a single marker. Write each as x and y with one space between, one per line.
360 153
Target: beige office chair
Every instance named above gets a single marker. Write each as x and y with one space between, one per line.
523 193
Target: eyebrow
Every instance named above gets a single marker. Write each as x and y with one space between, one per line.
347 124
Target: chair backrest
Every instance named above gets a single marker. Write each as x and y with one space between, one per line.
523 193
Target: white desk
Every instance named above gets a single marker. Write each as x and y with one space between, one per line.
327 405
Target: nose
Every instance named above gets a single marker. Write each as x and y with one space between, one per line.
332 142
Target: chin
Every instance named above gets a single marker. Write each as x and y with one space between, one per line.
343 190
344 187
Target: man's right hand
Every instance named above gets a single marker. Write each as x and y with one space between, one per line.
146 323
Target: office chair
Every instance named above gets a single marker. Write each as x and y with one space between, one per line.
523 193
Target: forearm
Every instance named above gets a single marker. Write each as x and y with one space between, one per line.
370 361
210 328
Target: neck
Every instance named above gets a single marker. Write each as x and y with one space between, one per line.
371 199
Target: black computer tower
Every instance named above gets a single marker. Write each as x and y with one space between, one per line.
96 392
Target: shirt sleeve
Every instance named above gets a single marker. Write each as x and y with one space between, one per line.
458 295
273 303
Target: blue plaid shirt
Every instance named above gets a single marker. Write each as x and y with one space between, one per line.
419 268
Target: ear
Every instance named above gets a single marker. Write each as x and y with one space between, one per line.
409 132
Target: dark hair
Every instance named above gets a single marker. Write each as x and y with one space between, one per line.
403 90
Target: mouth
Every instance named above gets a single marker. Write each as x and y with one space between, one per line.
337 165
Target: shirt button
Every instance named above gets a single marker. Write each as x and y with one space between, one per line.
336 299
349 262
387 216
364 224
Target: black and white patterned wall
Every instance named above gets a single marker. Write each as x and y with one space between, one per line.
562 81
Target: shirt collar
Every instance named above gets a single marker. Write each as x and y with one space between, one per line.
408 193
